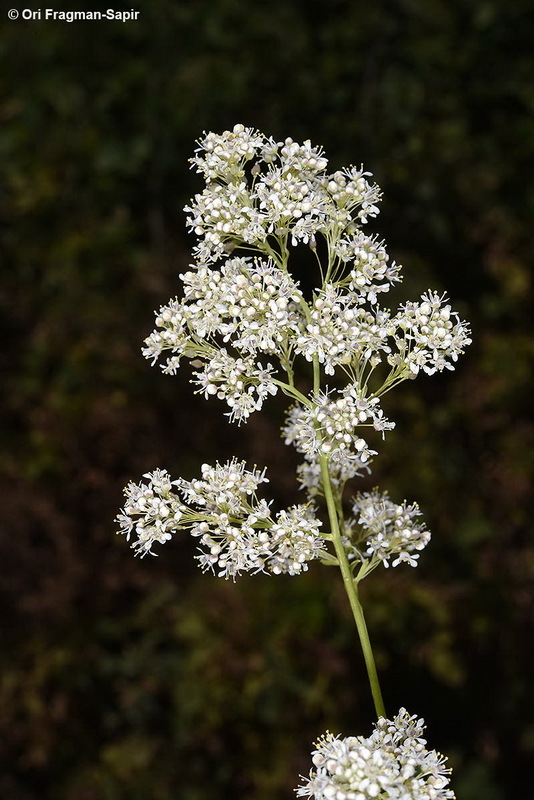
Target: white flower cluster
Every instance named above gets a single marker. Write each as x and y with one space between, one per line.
370 271
391 764
390 531
340 331
236 530
225 488
243 382
153 511
327 426
431 335
257 187
294 541
423 335
261 194
250 304
232 522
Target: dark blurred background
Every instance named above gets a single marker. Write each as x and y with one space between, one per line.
124 679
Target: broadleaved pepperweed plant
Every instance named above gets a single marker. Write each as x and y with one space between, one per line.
250 331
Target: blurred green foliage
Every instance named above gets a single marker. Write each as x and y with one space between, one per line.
127 679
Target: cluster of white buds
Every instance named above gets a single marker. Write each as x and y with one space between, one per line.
236 529
389 531
391 764
228 488
249 304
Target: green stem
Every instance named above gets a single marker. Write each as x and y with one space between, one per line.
316 376
352 591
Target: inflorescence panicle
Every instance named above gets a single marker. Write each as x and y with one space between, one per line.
250 331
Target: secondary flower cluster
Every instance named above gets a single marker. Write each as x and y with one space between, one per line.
391 764
248 303
370 270
390 531
340 331
257 187
153 512
433 334
236 530
327 426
